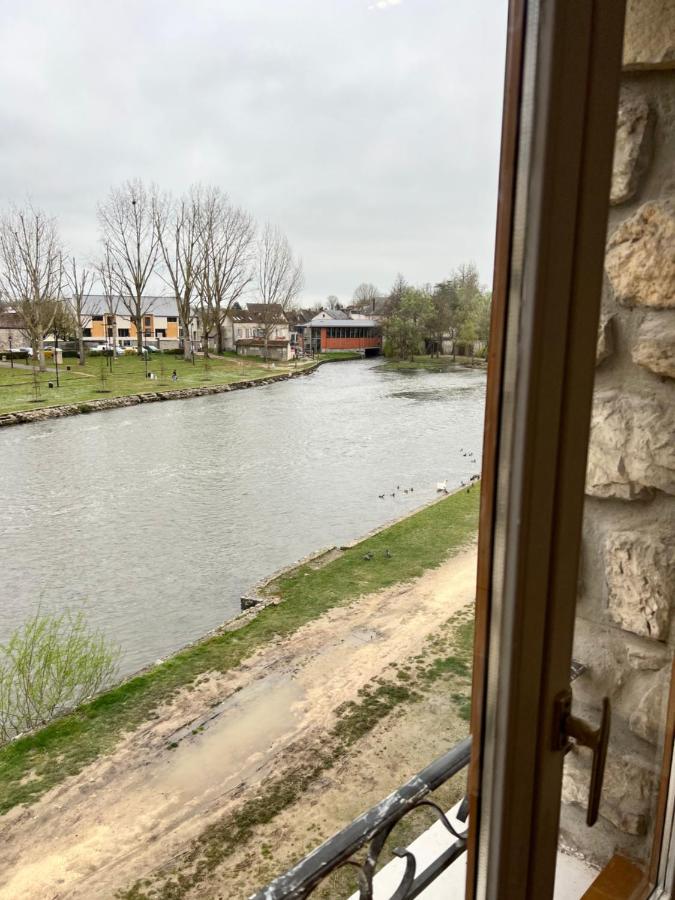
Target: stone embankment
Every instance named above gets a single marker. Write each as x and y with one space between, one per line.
89 406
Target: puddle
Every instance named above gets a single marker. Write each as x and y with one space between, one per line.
247 725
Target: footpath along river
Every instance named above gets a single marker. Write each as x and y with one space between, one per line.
157 518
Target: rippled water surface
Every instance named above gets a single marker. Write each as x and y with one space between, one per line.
158 517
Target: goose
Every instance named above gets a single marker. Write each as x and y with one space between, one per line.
442 486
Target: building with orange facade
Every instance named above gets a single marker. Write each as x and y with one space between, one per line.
336 330
161 326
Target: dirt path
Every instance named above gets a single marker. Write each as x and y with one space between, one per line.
136 809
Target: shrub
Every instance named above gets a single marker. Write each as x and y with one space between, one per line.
48 666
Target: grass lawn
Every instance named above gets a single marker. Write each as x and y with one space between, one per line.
31 765
94 380
433 363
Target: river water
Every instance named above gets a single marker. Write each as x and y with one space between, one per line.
157 518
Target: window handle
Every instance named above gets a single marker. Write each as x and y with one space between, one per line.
570 730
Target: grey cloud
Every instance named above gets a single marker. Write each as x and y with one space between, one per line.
370 135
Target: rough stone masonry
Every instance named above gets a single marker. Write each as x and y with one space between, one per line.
625 630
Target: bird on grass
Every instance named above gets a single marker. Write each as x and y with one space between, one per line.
388 553
368 556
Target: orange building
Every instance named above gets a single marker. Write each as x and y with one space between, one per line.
326 333
160 323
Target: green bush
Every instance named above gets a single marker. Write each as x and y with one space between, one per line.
48 666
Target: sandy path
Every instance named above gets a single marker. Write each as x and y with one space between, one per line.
135 809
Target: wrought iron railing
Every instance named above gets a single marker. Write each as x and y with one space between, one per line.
371 830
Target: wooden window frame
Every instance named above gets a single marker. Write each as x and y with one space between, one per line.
562 81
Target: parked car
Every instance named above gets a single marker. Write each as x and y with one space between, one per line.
148 348
27 350
98 348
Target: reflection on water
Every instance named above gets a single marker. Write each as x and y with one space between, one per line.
159 517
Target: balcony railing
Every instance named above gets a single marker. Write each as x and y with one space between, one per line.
371 830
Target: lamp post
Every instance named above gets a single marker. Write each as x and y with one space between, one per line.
56 355
11 355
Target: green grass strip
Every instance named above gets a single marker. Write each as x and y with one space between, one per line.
432 363
33 764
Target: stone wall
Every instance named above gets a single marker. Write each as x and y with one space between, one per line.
625 631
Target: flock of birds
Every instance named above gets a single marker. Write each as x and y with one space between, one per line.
398 488
442 486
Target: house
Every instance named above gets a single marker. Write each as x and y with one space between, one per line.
11 332
160 323
246 329
336 330
298 319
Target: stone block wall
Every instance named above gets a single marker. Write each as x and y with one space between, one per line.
625 629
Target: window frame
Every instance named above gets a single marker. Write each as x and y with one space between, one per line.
562 81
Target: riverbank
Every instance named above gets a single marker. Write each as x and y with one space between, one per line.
199 754
34 764
434 363
128 386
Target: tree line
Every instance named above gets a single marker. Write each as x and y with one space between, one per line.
418 319
206 249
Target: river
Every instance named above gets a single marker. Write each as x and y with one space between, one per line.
157 518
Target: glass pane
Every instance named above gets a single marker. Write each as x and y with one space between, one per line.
288 572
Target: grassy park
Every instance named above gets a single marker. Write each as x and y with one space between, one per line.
22 388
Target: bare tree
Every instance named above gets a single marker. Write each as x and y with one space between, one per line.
365 296
280 279
128 221
113 296
228 245
332 302
31 271
205 306
79 281
178 226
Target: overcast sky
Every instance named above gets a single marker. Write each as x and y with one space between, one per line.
369 131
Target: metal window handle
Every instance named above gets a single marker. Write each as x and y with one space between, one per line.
570 730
